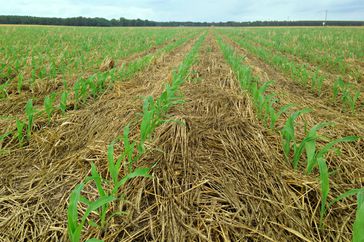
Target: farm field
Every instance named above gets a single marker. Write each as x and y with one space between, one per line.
181 134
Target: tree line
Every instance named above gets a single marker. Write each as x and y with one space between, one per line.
83 21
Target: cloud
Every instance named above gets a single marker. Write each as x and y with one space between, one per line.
189 10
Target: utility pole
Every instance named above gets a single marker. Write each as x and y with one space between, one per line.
324 23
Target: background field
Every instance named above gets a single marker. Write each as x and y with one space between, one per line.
173 134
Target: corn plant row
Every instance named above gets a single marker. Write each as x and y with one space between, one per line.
328 48
124 166
53 58
313 80
82 91
268 111
327 53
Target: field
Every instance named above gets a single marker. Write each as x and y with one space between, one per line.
181 134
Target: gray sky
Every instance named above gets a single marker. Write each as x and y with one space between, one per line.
189 10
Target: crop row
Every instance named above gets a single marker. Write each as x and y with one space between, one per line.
74 97
50 59
342 91
269 111
339 52
109 191
317 59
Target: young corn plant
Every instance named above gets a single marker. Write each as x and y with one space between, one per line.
20 82
349 94
29 112
3 89
350 98
75 225
317 82
337 87
358 231
275 115
320 161
20 131
259 98
105 196
288 133
48 105
63 102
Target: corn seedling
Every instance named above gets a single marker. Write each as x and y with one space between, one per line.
315 155
358 228
48 105
3 89
20 82
308 144
63 102
325 186
20 128
337 87
319 159
29 112
259 97
288 132
317 82
275 115
358 232
350 99
74 225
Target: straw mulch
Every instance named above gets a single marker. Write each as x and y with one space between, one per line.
219 177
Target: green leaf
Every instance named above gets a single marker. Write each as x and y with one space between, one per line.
346 194
325 186
138 172
96 205
310 146
110 158
74 230
358 228
94 240
328 147
96 177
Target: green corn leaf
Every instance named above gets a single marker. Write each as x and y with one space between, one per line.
288 133
299 150
29 111
20 126
346 194
328 147
96 177
74 229
138 172
63 102
96 205
276 116
358 228
94 240
310 146
111 163
325 186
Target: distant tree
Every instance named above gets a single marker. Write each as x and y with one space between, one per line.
82 21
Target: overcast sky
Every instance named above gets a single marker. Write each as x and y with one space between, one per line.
189 10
